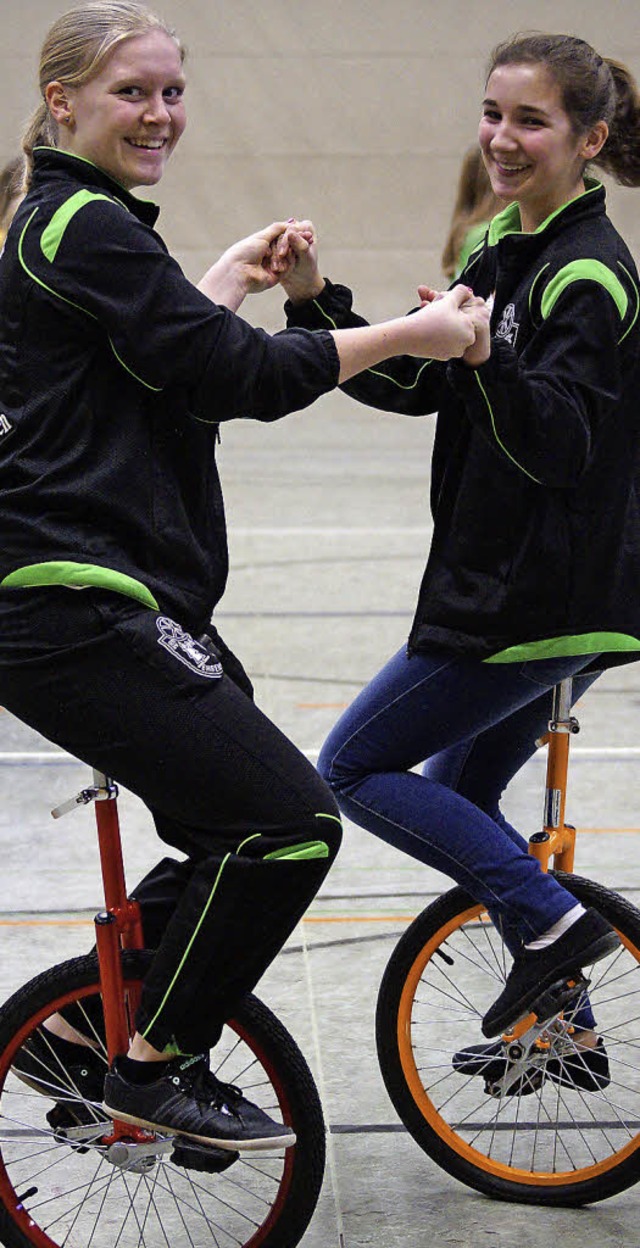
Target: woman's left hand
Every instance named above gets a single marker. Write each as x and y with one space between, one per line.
245 268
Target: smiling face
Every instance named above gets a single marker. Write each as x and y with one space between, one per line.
128 118
530 149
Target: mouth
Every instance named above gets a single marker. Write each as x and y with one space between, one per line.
509 171
147 145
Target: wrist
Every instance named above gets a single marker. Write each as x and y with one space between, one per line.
297 294
224 284
475 359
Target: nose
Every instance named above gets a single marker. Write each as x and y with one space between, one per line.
503 138
156 111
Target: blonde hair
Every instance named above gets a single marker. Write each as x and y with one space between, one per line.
74 51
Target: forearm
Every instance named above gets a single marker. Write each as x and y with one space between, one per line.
364 346
223 284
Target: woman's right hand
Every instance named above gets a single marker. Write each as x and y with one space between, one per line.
446 325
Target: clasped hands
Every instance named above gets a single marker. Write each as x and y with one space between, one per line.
286 253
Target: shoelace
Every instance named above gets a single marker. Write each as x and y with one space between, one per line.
206 1087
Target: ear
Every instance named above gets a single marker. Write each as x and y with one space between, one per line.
57 101
594 140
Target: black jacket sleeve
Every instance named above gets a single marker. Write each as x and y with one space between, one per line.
111 268
402 384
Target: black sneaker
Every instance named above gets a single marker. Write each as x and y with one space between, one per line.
188 1100
71 1074
491 1062
585 1070
534 971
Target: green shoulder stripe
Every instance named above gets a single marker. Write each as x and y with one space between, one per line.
580 271
52 243
38 280
79 576
53 233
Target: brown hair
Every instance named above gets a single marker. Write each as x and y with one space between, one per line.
74 51
593 88
475 203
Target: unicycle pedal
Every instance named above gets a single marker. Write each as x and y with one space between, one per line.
559 996
207 1159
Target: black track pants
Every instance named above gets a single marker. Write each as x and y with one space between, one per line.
134 695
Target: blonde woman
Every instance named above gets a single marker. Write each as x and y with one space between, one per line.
115 372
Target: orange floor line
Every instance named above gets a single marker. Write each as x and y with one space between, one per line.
606 831
46 922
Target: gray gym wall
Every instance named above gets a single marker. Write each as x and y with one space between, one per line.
353 113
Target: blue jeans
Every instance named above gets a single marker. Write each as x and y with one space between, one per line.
475 724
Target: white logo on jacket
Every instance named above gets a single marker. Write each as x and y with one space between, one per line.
508 327
184 647
5 425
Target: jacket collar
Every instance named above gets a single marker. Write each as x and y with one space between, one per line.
50 161
507 222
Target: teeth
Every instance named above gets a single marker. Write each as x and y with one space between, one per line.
151 143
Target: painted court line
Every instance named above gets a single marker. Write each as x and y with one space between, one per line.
328 531
59 758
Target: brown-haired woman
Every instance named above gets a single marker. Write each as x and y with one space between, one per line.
534 565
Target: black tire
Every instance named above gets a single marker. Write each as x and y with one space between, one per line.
61 1184
557 1145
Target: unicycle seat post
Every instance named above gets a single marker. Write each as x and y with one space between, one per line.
557 838
119 926
126 912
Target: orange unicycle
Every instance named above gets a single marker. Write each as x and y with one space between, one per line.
529 1133
70 1175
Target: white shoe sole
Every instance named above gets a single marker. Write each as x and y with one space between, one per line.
286 1140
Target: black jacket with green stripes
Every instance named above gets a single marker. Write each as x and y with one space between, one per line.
114 373
535 474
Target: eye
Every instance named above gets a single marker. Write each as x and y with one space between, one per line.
130 92
535 122
173 93
491 114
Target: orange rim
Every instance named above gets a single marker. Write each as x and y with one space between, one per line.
432 1116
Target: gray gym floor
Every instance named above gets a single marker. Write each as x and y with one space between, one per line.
328 519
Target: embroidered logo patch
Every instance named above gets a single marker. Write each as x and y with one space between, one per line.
6 426
508 327
187 650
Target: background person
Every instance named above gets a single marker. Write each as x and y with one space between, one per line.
475 206
11 191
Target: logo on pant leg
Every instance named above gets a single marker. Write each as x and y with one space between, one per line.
184 647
